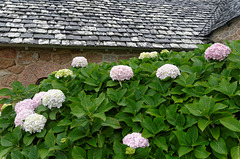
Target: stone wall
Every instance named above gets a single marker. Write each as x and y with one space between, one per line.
27 66
230 31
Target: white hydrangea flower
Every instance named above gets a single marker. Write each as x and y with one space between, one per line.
79 62
34 123
53 98
153 54
121 73
63 73
168 70
144 55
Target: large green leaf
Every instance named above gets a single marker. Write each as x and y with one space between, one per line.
231 123
235 152
202 124
201 152
161 143
78 153
50 139
112 122
5 92
183 150
219 146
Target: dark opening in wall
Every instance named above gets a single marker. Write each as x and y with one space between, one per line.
40 80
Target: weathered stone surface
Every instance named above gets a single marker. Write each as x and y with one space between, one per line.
5 63
37 70
124 57
227 32
27 57
62 58
110 58
16 69
45 55
94 57
8 53
7 80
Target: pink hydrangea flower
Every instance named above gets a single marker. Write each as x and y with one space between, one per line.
37 99
135 140
121 73
217 52
21 116
25 104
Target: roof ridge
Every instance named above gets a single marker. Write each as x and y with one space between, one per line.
217 19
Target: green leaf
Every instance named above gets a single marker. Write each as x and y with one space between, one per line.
183 150
161 143
194 109
52 114
78 153
112 122
17 86
202 124
16 155
5 151
112 83
5 92
91 82
78 112
77 133
142 153
64 122
95 153
226 87
231 123
132 106
43 153
33 152
181 136
192 134
28 139
118 147
200 152
100 115
50 139
235 152
219 146
215 132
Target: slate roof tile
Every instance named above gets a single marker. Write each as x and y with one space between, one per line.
126 23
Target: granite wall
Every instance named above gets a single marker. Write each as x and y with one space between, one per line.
29 65
230 31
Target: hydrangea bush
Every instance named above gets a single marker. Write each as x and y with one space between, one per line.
175 105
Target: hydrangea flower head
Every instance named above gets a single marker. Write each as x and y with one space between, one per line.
25 104
165 51
168 70
79 62
121 73
34 123
53 98
135 140
63 73
21 116
144 55
153 54
37 99
217 51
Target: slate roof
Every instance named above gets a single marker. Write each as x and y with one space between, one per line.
174 24
225 12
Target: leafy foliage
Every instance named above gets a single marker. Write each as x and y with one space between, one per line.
195 115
